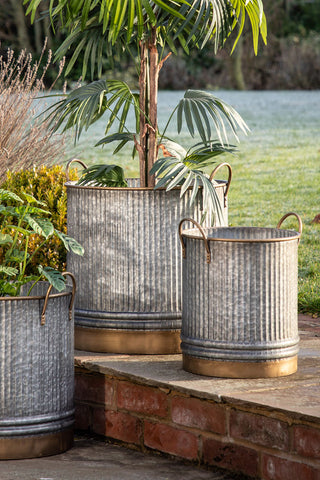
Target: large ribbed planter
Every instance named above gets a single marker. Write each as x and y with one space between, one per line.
129 279
36 373
239 315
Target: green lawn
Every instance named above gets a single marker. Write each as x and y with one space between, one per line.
264 189
277 170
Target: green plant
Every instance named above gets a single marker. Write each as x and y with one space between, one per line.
104 176
153 28
18 223
46 184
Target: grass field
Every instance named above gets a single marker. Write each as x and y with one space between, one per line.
276 169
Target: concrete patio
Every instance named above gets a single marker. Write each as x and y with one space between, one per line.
93 459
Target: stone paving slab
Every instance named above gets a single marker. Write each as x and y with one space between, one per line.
298 394
91 459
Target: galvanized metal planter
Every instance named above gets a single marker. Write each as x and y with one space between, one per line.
129 279
36 373
239 314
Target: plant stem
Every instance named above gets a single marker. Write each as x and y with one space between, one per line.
16 236
37 249
34 283
24 264
167 124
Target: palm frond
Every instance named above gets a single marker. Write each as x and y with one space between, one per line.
121 97
123 138
202 156
185 169
80 108
85 105
103 176
254 10
96 26
205 20
205 113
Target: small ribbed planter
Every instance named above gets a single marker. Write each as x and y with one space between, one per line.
129 279
36 373
239 314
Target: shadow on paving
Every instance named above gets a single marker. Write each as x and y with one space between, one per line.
93 459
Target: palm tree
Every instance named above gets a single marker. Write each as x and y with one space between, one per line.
135 302
153 28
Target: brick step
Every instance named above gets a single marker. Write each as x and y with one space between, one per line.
264 428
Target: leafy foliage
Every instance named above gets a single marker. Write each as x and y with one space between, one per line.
186 169
97 27
104 176
46 184
203 111
153 27
28 220
85 105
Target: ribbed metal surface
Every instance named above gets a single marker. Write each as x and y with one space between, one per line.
36 365
130 275
243 305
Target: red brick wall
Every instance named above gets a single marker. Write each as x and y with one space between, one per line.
262 444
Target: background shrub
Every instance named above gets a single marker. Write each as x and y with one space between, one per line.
47 185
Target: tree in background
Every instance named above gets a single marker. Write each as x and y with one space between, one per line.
16 31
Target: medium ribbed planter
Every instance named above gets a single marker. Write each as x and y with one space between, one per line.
129 279
239 315
36 373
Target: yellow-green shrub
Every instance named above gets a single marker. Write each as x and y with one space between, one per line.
47 185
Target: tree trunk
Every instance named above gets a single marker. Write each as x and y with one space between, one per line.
22 30
47 29
148 103
236 66
142 145
42 30
38 39
153 104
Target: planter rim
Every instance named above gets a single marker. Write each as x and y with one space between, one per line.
36 297
72 184
193 233
48 293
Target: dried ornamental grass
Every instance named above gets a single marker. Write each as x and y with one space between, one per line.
25 139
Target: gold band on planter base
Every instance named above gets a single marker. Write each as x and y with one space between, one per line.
138 342
227 369
35 446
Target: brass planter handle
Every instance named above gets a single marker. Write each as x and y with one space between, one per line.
43 314
205 239
70 162
297 217
225 164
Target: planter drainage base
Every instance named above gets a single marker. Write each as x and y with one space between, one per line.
139 342
33 446
234 369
